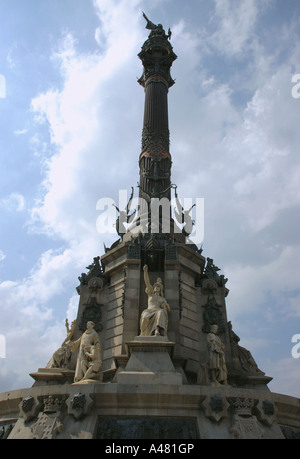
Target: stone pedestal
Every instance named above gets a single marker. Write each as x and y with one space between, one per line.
87 381
149 362
142 411
53 375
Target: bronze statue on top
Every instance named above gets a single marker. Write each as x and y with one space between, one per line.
156 29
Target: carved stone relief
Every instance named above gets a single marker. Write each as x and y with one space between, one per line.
266 412
245 423
215 407
29 408
79 405
46 427
49 422
5 429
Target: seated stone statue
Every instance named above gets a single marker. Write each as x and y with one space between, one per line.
245 358
62 355
154 319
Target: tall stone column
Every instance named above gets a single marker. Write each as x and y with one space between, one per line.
155 162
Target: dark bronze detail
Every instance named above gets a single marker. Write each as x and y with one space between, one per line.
146 428
155 142
92 312
216 404
95 270
155 163
183 216
157 54
134 251
171 251
211 272
124 216
212 315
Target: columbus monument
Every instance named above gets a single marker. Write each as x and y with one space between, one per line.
151 354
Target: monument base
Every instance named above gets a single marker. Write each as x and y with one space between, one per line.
149 362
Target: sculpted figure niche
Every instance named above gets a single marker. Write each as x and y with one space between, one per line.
154 319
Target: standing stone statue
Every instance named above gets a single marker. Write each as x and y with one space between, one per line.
62 355
217 369
85 344
154 319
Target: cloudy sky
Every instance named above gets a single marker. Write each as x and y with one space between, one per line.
70 134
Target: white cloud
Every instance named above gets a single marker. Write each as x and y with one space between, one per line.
262 148
236 25
295 307
252 286
79 117
73 307
2 255
20 131
14 202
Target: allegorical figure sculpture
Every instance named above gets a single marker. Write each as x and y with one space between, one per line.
217 369
91 365
61 357
244 356
89 354
154 319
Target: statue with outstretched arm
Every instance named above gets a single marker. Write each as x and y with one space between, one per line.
154 319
